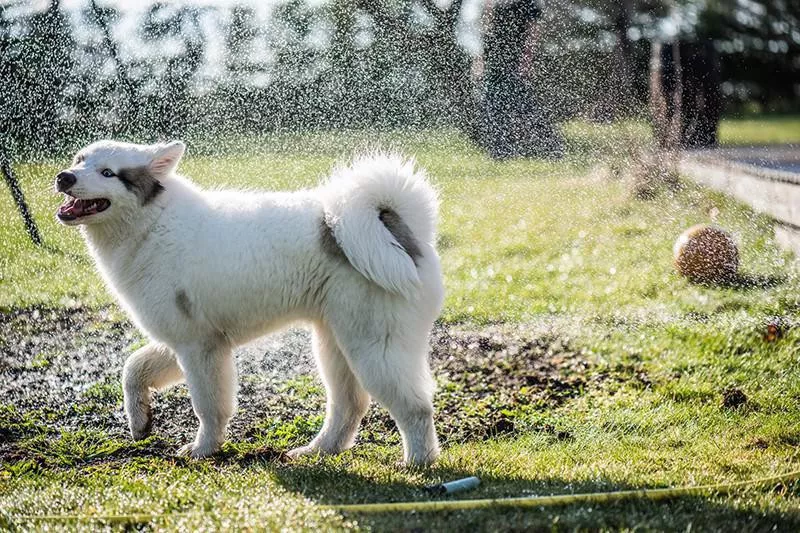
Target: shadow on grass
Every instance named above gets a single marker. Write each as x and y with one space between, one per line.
333 481
329 485
745 282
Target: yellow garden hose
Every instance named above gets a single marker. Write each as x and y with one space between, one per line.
561 499
450 505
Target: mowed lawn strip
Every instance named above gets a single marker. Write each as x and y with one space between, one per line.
531 246
764 130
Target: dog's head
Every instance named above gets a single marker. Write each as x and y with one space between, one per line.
110 177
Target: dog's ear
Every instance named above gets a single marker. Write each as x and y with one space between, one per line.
166 158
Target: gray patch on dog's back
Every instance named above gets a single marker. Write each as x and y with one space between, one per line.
328 240
139 181
401 232
183 303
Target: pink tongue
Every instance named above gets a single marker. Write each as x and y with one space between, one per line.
73 209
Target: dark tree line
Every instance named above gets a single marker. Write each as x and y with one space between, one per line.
183 70
759 44
346 63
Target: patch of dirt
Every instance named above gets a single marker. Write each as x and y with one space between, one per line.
490 379
50 358
733 398
60 369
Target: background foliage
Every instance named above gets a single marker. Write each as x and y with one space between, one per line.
180 69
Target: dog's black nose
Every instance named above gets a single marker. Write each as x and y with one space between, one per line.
65 180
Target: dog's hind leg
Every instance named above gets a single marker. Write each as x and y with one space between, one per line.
394 370
211 375
150 368
347 400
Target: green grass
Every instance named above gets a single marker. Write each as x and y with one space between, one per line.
523 243
779 129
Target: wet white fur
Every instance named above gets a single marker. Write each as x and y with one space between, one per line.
251 262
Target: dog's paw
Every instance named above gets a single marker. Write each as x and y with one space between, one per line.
420 460
417 463
196 451
140 421
304 450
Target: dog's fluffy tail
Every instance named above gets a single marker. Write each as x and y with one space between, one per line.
383 214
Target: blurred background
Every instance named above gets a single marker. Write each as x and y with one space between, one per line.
73 71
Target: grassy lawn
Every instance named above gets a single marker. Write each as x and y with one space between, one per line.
778 129
556 261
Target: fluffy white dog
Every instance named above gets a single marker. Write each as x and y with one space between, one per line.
201 272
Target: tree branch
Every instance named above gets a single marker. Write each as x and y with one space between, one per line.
122 69
19 199
447 17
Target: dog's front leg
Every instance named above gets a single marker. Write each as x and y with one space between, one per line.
211 377
150 368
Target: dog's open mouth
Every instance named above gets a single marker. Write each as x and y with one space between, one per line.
74 208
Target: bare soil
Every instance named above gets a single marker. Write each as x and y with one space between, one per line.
60 370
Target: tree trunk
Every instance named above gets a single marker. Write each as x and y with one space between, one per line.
620 101
689 84
513 122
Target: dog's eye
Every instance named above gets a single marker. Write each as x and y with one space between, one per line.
108 173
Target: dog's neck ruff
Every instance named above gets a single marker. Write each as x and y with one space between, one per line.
133 223
124 231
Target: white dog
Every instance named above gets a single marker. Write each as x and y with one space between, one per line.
201 272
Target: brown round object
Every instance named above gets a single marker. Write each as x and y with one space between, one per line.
706 254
